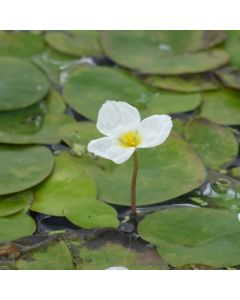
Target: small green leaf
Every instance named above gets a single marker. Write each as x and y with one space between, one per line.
92 213
75 42
222 106
16 226
67 185
22 84
23 167
216 145
12 204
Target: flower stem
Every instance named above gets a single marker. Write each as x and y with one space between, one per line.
133 186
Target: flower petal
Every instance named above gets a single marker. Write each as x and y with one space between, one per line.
155 130
116 117
109 148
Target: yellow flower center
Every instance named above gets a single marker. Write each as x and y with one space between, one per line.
130 139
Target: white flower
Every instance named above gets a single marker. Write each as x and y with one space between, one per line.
117 268
124 130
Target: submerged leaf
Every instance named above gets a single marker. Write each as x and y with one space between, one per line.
55 257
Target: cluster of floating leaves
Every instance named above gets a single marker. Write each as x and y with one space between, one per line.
62 208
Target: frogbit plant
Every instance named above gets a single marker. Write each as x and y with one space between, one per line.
125 133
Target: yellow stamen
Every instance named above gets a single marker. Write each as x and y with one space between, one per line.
130 139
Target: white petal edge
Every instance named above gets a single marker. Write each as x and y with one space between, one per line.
117 117
155 130
109 148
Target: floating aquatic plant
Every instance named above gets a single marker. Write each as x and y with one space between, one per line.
125 133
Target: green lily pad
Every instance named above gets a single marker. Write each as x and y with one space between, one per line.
23 167
75 42
166 102
114 248
68 184
184 83
232 46
230 77
222 106
70 191
164 52
55 257
92 214
16 226
21 44
22 84
165 172
216 145
80 133
194 236
12 204
34 124
89 87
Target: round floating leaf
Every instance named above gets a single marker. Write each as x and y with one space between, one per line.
232 46
216 145
68 184
89 87
222 107
30 126
92 214
230 77
21 44
34 124
165 172
80 133
194 236
165 102
16 226
12 204
184 83
54 257
23 167
75 42
22 84
164 52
